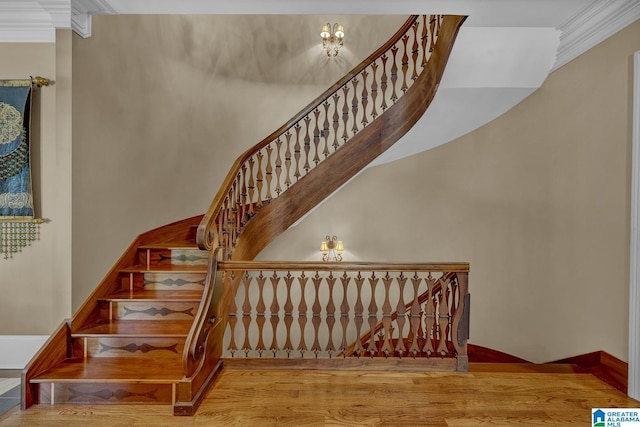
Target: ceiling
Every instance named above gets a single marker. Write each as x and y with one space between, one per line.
510 45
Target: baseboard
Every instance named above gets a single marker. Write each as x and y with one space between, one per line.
600 364
479 354
604 366
17 350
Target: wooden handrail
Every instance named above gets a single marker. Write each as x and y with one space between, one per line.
341 266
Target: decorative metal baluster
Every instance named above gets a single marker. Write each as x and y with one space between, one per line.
373 316
246 314
302 314
260 314
288 313
344 313
325 129
430 310
269 173
316 137
259 179
387 330
415 316
365 99
354 105
278 167
444 318
307 145
374 90
275 313
331 318
229 281
296 152
401 311
394 74
358 315
287 160
316 320
336 121
405 64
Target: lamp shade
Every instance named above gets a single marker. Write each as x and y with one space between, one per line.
326 31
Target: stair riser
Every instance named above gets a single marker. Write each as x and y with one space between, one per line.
148 310
162 281
165 257
166 348
105 393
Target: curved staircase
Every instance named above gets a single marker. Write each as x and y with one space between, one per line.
152 330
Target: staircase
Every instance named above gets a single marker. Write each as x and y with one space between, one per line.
126 344
132 350
152 330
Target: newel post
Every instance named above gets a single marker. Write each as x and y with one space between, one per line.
460 323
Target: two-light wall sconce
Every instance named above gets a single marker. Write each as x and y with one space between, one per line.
332 38
331 249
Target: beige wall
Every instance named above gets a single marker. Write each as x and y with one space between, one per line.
36 284
163 105
537 201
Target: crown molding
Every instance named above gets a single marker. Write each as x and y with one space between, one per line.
592 25
30 21
60 11
81 11
25 21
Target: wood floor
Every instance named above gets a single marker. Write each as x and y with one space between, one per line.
356 398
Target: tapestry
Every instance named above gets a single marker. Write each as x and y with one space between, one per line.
16 198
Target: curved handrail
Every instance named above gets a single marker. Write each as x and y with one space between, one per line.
204 319
249 185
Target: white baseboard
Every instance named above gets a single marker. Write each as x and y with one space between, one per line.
17 350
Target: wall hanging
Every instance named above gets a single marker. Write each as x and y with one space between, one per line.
18 223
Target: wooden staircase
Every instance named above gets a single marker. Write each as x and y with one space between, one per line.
129 348
152 331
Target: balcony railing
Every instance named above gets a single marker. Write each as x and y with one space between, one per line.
321 311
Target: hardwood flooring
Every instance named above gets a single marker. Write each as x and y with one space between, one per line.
358 398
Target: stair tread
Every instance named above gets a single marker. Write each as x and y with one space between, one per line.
170 268
159 295
137 328
114 369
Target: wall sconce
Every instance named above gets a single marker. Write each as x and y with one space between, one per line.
331 249
332 37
